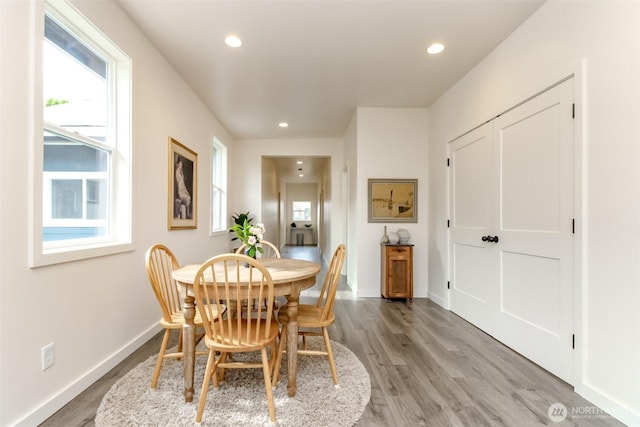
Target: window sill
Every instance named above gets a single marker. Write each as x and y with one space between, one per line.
62 255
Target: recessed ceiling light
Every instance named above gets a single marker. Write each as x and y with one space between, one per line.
301 176
283 124
435 48
299 162
233 41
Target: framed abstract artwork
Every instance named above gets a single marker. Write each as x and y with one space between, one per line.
183 185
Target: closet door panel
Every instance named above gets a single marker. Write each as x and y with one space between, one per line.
530 172
535 211
473 291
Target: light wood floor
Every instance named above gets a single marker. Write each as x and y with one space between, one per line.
428 367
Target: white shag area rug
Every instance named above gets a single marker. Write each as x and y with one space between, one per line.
241 399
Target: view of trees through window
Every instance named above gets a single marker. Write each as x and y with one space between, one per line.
77 162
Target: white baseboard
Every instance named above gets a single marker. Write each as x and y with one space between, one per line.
601 401
438 300
64 396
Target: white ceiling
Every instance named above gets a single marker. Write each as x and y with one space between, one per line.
313 62
289 170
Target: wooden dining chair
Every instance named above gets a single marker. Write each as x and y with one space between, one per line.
269 250
235 333
314 319
160 263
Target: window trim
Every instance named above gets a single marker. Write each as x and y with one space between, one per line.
121 206
223 164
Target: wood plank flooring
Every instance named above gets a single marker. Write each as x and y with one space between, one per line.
428 367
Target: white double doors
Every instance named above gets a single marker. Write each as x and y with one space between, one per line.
511 228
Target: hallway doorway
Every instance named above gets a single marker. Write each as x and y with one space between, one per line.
288 179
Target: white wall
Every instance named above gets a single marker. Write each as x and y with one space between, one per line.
249 153
391 143
98 310
269 213
552 43
325 218
350 186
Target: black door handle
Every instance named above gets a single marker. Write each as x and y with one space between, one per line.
493 239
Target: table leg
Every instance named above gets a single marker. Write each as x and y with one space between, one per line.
188 345
292 342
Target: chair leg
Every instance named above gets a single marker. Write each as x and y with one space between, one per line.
163 350
273 349
205 384
332 363
267 384
278 363
220 371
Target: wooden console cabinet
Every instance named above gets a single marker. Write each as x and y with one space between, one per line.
396 271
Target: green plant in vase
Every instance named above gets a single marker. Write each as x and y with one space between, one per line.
239 219
251 235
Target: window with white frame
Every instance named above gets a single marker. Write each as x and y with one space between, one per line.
218 186
85 193
302 211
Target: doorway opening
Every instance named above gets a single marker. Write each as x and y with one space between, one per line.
294 195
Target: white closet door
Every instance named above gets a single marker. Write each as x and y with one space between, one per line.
473 271
536 248
526 278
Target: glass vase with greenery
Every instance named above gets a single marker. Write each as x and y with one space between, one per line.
250 235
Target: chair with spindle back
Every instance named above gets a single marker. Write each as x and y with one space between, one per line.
269 250
312 317
160 263
226 280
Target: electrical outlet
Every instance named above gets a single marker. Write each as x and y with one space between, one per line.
48 356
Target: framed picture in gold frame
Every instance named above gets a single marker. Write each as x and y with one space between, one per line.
183 186
393 200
